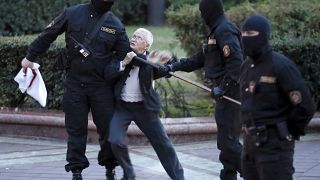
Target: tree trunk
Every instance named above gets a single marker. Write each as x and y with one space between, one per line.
156 10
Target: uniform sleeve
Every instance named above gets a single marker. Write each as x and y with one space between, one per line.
231 51
189 64
48 35
122 46
160 72
295 88
112 71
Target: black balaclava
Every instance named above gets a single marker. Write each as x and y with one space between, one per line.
255 45
211 10
102 6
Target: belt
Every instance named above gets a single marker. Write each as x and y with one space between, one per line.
217 81
253 130
86 84
281 131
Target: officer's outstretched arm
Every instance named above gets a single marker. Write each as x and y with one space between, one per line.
122 46
48 35
189 64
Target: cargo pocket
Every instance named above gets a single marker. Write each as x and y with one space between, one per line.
71 100
268 158
269 152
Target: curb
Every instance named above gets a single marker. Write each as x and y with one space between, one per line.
52 126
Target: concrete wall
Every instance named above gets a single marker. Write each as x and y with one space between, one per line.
180 130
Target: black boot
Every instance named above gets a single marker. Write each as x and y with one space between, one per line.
111 174
228 174
128 178
76 174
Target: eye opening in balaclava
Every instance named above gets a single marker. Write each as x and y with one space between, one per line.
211 10
102 6
254 45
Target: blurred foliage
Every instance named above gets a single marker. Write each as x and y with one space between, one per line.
12 50
189 27
290 18
18 17
131 12
177 4
29 16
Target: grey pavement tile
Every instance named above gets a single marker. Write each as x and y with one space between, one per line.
9 147
44 160
304 166
314 172
308 178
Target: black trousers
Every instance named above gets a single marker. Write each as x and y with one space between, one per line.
227 115
150 124
77 102
272 160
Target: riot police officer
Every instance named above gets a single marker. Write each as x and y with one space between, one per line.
276 105
94 36
221 57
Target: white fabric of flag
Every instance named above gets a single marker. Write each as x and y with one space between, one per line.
30 81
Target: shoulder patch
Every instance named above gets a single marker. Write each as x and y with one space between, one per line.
226 51
268 79
295 97
51 24
108 30
212 41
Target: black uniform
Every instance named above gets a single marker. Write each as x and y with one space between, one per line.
221 57
276 107
150 123
85 86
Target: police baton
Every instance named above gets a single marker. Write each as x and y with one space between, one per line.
157 66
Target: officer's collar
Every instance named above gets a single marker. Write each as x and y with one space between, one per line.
263 55
94 12
143 55
218 21
91 8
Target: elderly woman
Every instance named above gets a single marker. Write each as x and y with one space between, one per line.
137 101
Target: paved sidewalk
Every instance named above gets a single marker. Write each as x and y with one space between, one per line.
32 159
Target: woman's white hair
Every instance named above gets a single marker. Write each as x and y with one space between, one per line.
147 35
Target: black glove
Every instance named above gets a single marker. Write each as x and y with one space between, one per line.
173 60
295 131
169 66
165 70
217 92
